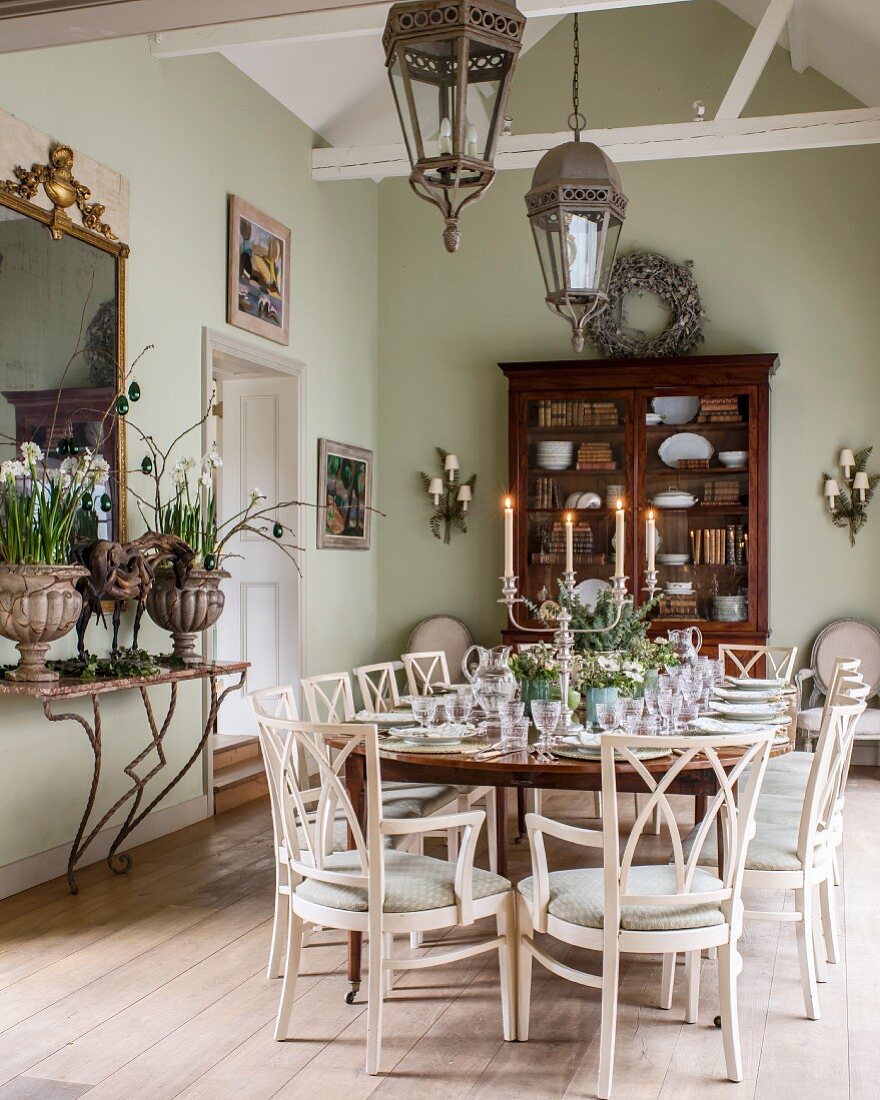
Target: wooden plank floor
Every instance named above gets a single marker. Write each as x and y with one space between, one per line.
152 986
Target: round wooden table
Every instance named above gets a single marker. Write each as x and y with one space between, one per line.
519 771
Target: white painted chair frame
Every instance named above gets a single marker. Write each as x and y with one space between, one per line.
425 671
378 686
779 660
328 698
380 927
737 822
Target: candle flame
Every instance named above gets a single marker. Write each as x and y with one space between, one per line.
619 504
508 503
651 514
568 517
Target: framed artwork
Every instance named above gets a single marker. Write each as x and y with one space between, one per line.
345 496
258 276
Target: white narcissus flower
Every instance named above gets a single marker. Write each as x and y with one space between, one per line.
31 453
205 479
55 475
257 494
12 469
212 460
69 466
100 469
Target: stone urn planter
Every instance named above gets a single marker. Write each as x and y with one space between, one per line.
38 605
185 612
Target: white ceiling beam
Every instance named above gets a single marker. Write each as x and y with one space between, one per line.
350 22
755 60
798 37
666 141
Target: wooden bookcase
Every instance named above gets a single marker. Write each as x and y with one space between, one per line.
600 407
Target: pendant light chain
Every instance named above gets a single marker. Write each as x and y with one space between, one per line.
576 120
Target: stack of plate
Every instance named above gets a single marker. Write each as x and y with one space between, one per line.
674 498
613 493
678 588
673 559
730 609
555 454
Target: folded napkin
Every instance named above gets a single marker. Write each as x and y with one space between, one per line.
707 724
385 717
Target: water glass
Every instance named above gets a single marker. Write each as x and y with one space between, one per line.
516 734
545 715
649 726
675 711
690 712
459 708
606 716
511 709
720 673
440 714
694 688
424 708
631 723
634 707
651 700
665 681
664 706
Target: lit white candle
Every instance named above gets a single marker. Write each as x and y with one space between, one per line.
569 544
471 140
652 538
445 137
618 540
508 537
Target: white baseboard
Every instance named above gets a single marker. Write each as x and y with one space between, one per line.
43 866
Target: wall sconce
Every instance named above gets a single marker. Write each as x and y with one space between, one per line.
848 504
451 496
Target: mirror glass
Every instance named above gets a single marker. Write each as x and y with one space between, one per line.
58 350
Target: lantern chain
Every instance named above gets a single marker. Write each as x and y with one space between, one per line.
576 120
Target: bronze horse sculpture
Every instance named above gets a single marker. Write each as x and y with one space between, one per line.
125 571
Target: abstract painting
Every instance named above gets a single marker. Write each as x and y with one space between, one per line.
258 278
345 490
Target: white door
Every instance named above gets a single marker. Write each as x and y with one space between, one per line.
260 623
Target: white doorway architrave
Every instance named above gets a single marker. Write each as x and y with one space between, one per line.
225 357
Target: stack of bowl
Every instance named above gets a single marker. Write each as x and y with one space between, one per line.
730 609
554 454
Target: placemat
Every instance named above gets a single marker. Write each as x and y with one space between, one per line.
466 748
594 752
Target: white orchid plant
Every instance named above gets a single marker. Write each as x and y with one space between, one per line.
42 506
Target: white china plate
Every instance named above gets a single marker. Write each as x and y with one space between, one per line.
589 500
414 735
571 501
754 684
588 591
706 724
584 740
750 714
737 695
677 410
673 559
685 445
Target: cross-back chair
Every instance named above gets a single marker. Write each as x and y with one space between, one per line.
328 698
626 907
378 686
749 661
369 887
425 671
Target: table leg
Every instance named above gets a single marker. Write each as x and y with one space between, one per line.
355 782
520 814
701 804
501 829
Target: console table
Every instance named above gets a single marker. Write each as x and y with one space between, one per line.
51 695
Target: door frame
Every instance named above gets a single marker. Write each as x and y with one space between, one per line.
230 357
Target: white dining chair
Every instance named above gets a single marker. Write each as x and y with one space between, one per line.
373 889
793 851
650 908
378 686
749 661
425 672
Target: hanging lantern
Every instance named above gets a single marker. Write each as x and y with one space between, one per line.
576 208
451 64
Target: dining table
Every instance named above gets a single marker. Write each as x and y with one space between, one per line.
519 771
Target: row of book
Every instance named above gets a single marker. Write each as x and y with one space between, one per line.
547 494
595 456
553 539
721 492
719 410
719 545
577 414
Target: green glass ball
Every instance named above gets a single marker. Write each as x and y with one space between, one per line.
210 562
277 530
134 391
105 502
63 447
146 464
122 404
72 447
87 502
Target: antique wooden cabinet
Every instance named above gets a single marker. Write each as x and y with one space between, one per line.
656 434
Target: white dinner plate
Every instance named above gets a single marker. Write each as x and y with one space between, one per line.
442 735
673 559
685 445
706 724
677 410
752 714
588 591
737 695
754 684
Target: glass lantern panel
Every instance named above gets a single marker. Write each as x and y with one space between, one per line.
432 69
488 71
609 251
582 242
545 228
398 87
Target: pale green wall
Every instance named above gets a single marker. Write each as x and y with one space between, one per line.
187 133
756 228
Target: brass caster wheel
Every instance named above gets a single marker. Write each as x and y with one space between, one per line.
717 1021
352 993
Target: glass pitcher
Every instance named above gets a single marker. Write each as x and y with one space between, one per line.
493 681
686 644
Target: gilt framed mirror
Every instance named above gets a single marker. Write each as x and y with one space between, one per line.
62 328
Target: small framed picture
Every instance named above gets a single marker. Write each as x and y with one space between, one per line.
345 496
258 277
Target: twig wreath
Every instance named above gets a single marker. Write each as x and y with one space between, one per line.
674 284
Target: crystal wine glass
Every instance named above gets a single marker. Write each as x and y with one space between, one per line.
606 716
675 711
545 715
664 706
424 707
635 707
651 700
690 712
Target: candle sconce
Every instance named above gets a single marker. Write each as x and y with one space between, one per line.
451 497
848 503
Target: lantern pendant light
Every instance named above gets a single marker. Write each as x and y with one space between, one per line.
451 63
576 209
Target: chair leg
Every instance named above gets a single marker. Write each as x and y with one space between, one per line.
280 928
291 973
523 970
597 803
375 997
819 939
692 961
388 973
667 981
608 1025
835 866
506 925
829 921
491 831
803 901
728 968
415 938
